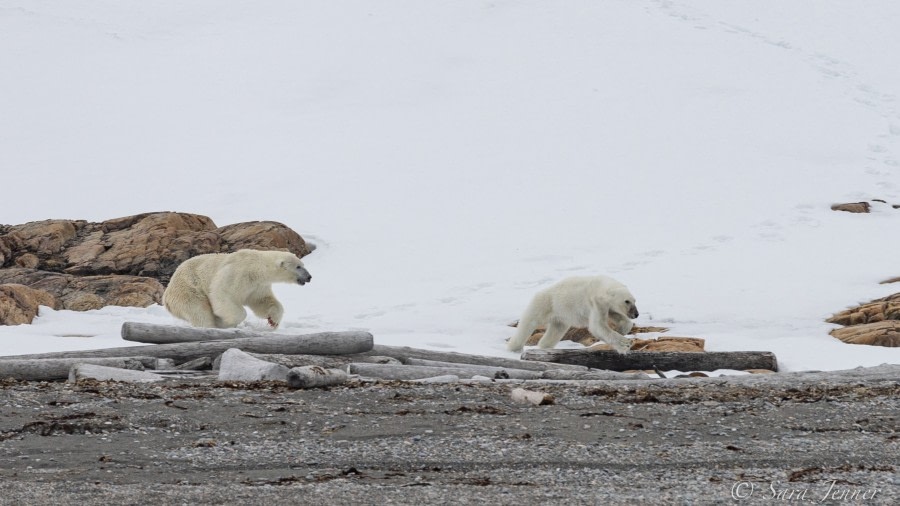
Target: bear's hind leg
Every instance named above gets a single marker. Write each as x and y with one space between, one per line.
202 314
536 314
189 305
555 332
227 313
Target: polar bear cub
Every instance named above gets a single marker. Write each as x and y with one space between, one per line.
211 290
589 301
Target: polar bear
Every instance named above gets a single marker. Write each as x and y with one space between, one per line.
211 290
589 301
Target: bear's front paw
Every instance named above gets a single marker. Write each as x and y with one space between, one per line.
272 323
624 345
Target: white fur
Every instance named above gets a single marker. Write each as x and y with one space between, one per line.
211 290
590 302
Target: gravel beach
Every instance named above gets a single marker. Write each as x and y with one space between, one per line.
824 438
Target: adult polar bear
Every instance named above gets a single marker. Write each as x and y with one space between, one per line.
211 290
589 301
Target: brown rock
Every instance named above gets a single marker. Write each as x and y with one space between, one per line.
81 293
852 207
645 330
664 343
19 303
584 337
670 343
46 237
9 242
81 301
886 308
262 235
151 244
760 371
883 333
891 280
28 261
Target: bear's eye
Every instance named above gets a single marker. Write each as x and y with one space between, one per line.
628 302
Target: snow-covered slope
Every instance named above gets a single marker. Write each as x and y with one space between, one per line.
450 158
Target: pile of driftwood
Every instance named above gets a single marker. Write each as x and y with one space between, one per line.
331 358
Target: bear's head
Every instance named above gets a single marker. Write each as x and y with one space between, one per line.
624 302
293 271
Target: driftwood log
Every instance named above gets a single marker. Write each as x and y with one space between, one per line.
447 378
325 343
682 361
415 372
239 366
560 374
198 364
315 376
58 368
593 375
325 361
103 373
403 353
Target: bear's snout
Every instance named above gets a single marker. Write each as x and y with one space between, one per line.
304 277
633 312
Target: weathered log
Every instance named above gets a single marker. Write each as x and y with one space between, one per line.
58 368
402 353
315 376
337 343
682 361
413 372
165 363
103 373
531 397
540 382
482 370
151 333
549 374
239 366
447 378
183 374
325 361
326 343
885 374
593 375
198 364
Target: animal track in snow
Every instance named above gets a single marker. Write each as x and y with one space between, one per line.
532 284
371 314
